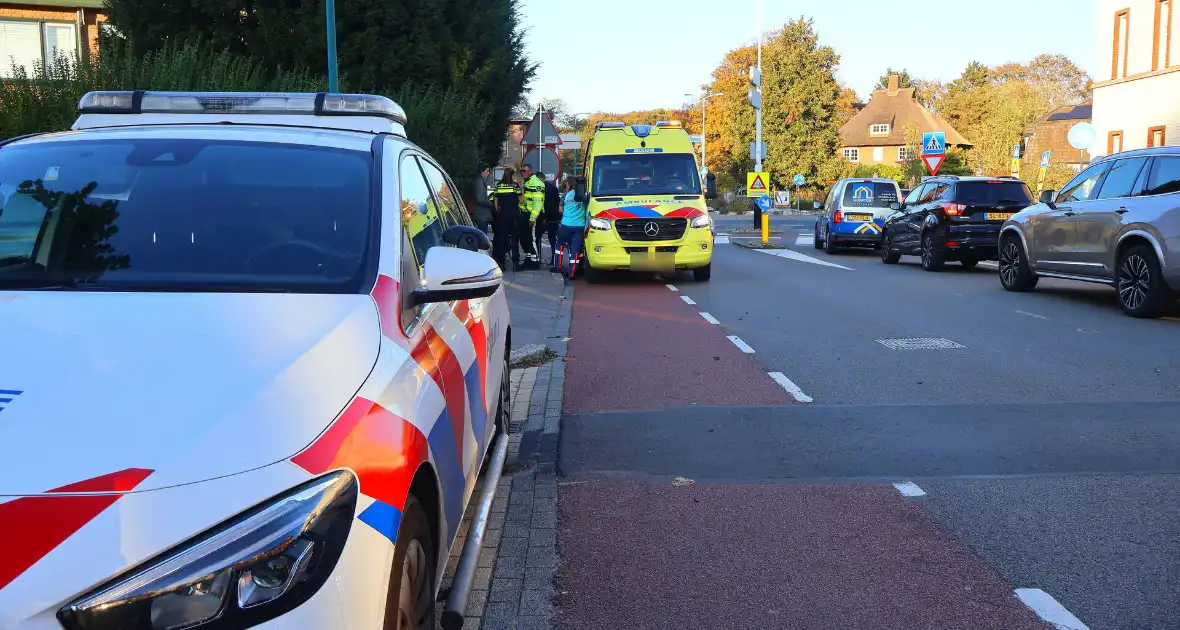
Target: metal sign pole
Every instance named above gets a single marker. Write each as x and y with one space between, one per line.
333 78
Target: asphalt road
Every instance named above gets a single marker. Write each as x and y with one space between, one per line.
1045 442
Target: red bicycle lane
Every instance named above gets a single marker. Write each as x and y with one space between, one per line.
644 552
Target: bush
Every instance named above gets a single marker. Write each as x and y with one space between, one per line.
445 122
736 205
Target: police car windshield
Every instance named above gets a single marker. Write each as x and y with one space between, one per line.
169 214
869 195
645 174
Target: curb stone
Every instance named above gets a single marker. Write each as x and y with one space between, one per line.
514 577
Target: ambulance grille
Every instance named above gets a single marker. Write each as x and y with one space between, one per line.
642 229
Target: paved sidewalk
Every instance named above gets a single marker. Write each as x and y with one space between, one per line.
514 576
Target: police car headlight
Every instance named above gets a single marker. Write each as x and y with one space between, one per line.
600 224
244 572
702 221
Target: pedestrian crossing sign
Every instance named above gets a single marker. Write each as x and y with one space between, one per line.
934 143
756 184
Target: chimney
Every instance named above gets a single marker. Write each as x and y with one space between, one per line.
894 83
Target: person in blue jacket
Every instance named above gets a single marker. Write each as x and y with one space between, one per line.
572 231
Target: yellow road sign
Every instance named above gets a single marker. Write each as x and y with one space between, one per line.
757 184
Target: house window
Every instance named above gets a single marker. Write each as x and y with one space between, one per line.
1122 40
879 130
1161 52
1156 136
905 154
878 154
33 44
852 155
1114 142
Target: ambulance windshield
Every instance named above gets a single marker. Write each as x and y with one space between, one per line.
645 174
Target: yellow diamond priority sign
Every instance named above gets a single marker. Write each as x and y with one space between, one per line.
757 184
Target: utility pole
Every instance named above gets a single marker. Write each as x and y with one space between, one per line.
758 113
333 78
704 99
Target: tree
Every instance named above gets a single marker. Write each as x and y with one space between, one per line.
906 81
471 46
801 122
730 128
992 106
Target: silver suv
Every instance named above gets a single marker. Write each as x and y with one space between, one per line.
1117 223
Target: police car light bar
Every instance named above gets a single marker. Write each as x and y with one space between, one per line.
318 104
673 124
609 125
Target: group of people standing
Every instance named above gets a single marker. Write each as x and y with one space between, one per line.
521 214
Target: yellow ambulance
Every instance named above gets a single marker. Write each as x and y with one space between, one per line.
647 203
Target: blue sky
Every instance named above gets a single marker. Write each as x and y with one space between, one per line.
622 55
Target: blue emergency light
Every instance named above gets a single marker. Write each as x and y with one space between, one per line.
641 131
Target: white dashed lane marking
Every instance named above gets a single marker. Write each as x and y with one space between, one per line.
909 489
1032 315
805 239
687 300
743 346
721 240
709 318
1049 609
791 387
672 287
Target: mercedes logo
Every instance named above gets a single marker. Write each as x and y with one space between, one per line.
651 229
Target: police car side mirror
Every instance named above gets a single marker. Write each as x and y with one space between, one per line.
451 274
895 206
1047 196
817 205
467 237
710 186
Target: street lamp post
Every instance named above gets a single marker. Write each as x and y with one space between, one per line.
333 78
704 105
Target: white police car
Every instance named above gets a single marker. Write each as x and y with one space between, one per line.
254 356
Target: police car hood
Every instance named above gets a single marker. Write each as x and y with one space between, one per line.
188 386
654 207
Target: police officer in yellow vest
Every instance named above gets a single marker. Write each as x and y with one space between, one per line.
534 204
506 201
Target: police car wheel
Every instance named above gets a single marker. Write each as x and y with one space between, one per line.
818 244
410 604
830 244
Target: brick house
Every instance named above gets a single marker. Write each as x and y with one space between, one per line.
1135 105
876 134
32 31
1051 132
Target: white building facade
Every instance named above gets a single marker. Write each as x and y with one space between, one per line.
1137 90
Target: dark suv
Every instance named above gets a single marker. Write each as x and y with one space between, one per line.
953 218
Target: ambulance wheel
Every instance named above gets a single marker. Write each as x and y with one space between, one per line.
410 603
701 274
594 276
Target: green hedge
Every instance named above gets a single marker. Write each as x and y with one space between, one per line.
446 123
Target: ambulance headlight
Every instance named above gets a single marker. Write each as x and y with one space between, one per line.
599 224
702 221
244 572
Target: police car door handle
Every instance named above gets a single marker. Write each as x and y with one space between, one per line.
1122 210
